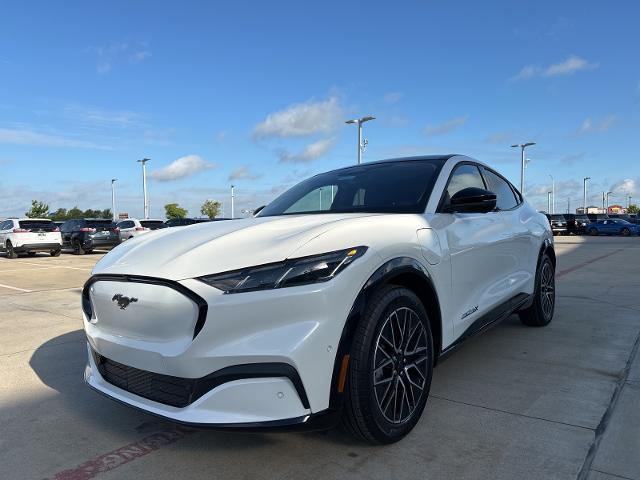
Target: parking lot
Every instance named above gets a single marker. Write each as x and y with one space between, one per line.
557 402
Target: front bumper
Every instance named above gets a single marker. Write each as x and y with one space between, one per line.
297 327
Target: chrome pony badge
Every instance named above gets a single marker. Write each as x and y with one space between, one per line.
123 302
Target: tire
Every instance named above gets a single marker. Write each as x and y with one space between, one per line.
55 253
77 248
625 232
11 253
31 254
593 232
540 313
369 412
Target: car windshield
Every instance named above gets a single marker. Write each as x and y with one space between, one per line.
392 187
557 217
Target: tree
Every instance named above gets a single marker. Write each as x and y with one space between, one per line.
38 209
75 212
106 213
173 210
211 208
633 209
60 214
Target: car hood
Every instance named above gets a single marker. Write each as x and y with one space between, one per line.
187 252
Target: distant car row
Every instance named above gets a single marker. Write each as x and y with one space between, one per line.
82 235
593 224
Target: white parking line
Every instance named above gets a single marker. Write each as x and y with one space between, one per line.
58 266
15 288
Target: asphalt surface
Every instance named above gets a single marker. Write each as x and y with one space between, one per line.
527 403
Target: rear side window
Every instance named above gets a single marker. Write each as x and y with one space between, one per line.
464 176
38 225
127 224
506 199
151 224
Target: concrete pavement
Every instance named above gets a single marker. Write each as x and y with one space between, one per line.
517 402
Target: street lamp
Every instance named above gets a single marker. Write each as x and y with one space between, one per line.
584 194
144 185
553 194
522 162
113 199
232 199
361 144
628 201
608 193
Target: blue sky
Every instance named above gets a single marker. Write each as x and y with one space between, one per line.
256 94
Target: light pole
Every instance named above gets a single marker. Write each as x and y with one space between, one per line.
584 195
628 201
361 144
522 162
113 199
607 211
553 195
548 202
568 205
144 185
232 199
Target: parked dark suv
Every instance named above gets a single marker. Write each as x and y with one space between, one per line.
84 234
181 222
558 224
576 224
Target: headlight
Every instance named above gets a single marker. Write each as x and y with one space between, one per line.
296 271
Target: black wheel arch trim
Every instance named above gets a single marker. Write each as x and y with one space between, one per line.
388 270
108 277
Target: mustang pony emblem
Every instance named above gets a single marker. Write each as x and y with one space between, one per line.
123 302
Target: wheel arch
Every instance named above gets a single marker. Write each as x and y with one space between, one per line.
402 271
548 249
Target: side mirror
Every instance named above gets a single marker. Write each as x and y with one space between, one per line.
471 200
257 210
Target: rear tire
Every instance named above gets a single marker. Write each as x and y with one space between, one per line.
593 232
11 253
391 359
31 254
55 253
540 313
77 248
625 232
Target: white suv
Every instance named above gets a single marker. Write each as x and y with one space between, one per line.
29 235
332 304
132 227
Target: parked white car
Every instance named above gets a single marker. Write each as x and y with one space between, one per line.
132 227
332 304
29 235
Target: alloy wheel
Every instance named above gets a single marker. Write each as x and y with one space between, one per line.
400 365
547 290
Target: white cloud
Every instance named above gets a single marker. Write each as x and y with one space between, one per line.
628 186
301 119
497 138
116 52
589 126
445 127
393 97
310 152
17 136
569 66
181 168
243 172
105 118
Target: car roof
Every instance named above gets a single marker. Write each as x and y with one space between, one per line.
32 219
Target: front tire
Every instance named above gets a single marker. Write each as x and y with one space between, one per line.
391 365
626 232
56 252
593 232
540 313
